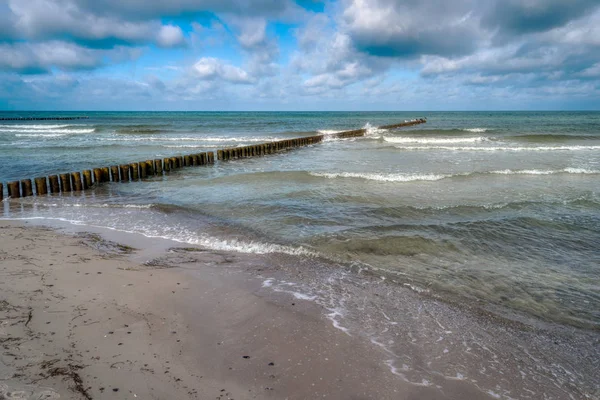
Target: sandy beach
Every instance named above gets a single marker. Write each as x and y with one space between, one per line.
81 320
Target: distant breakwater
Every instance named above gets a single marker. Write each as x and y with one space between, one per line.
42 118
141 170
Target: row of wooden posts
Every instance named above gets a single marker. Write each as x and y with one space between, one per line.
75 181
233 153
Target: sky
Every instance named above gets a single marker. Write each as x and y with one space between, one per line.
299 55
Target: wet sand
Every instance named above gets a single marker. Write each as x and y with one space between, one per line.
82 319
110 315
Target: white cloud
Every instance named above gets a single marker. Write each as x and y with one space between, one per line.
209 68
170 36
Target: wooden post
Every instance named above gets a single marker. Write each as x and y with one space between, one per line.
105 174
65 183
187 161
158 168
180 161
134 169
54 188
167 164
143 170
26 188
124 170
97 176
114 172
41 187
1 191
219 154
13 189
150 167
76 183
87 179
195 160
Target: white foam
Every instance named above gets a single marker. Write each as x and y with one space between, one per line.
546 172
476 130
133 138
333 315
36 126
49 132
373 130
382 177
187 146
268 282
495 148
328 131
420 140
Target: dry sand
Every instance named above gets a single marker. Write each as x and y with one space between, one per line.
85 318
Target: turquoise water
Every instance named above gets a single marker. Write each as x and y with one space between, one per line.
497 208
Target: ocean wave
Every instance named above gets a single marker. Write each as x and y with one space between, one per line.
546 172
138 131
382 177
398 177
37 133
476 130
497 148
328 131
193 139
433 140
44 135
187 146
543 138
41 127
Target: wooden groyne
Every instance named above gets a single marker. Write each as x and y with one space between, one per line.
141 170
79 181
41 118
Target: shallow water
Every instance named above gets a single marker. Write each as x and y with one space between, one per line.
500 208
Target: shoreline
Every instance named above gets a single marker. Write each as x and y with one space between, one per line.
258 305
164 331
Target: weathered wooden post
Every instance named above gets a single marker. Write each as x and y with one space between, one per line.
124 169
173 163
87 179
114 172
26 188
41 187
134 169
150 167
13 189
105 174
54 188
180 160
97 176
143 170
166 164
158 168
65 182
76 183
219 154
187 161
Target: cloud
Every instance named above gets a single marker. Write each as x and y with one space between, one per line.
209 68
411 28
64 20
517 17
30 58
170 36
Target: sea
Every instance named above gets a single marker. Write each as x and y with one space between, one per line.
498 211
